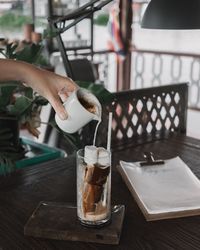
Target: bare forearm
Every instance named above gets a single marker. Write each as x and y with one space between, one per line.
11 70
47 84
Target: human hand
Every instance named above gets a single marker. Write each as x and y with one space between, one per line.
53 87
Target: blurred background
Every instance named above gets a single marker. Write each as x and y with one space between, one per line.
158 57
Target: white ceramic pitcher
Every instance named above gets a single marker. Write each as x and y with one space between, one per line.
78 115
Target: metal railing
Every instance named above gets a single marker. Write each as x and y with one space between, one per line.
154 68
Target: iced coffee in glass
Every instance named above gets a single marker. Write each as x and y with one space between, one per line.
93 186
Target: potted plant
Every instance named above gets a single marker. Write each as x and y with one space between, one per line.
19 106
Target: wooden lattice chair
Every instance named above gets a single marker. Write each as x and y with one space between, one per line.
142 115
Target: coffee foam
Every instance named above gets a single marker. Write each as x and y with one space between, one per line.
93 154
90 155
103 157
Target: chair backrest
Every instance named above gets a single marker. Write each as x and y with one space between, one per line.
83 70
141 115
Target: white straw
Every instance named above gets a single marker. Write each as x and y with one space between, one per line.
109 131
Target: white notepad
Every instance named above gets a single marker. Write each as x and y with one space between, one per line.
163 191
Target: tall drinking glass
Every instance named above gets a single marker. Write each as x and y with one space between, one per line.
94 187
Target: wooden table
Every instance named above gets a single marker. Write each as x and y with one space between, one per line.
21 192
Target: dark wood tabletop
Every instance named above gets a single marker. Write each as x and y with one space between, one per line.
55 181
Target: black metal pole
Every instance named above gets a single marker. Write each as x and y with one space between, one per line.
81 13
33 12
66 62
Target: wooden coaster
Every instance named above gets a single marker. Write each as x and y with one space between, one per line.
59 221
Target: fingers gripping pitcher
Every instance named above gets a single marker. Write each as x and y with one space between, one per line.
82 107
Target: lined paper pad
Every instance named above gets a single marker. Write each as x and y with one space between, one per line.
163 191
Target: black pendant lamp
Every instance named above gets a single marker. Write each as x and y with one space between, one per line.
172 14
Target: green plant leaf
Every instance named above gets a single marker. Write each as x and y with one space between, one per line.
101 19
6 92
28 92
21 106
50 33
2 51
29 53
12 20
10 50
98 90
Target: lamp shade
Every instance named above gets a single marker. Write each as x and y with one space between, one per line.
172 14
